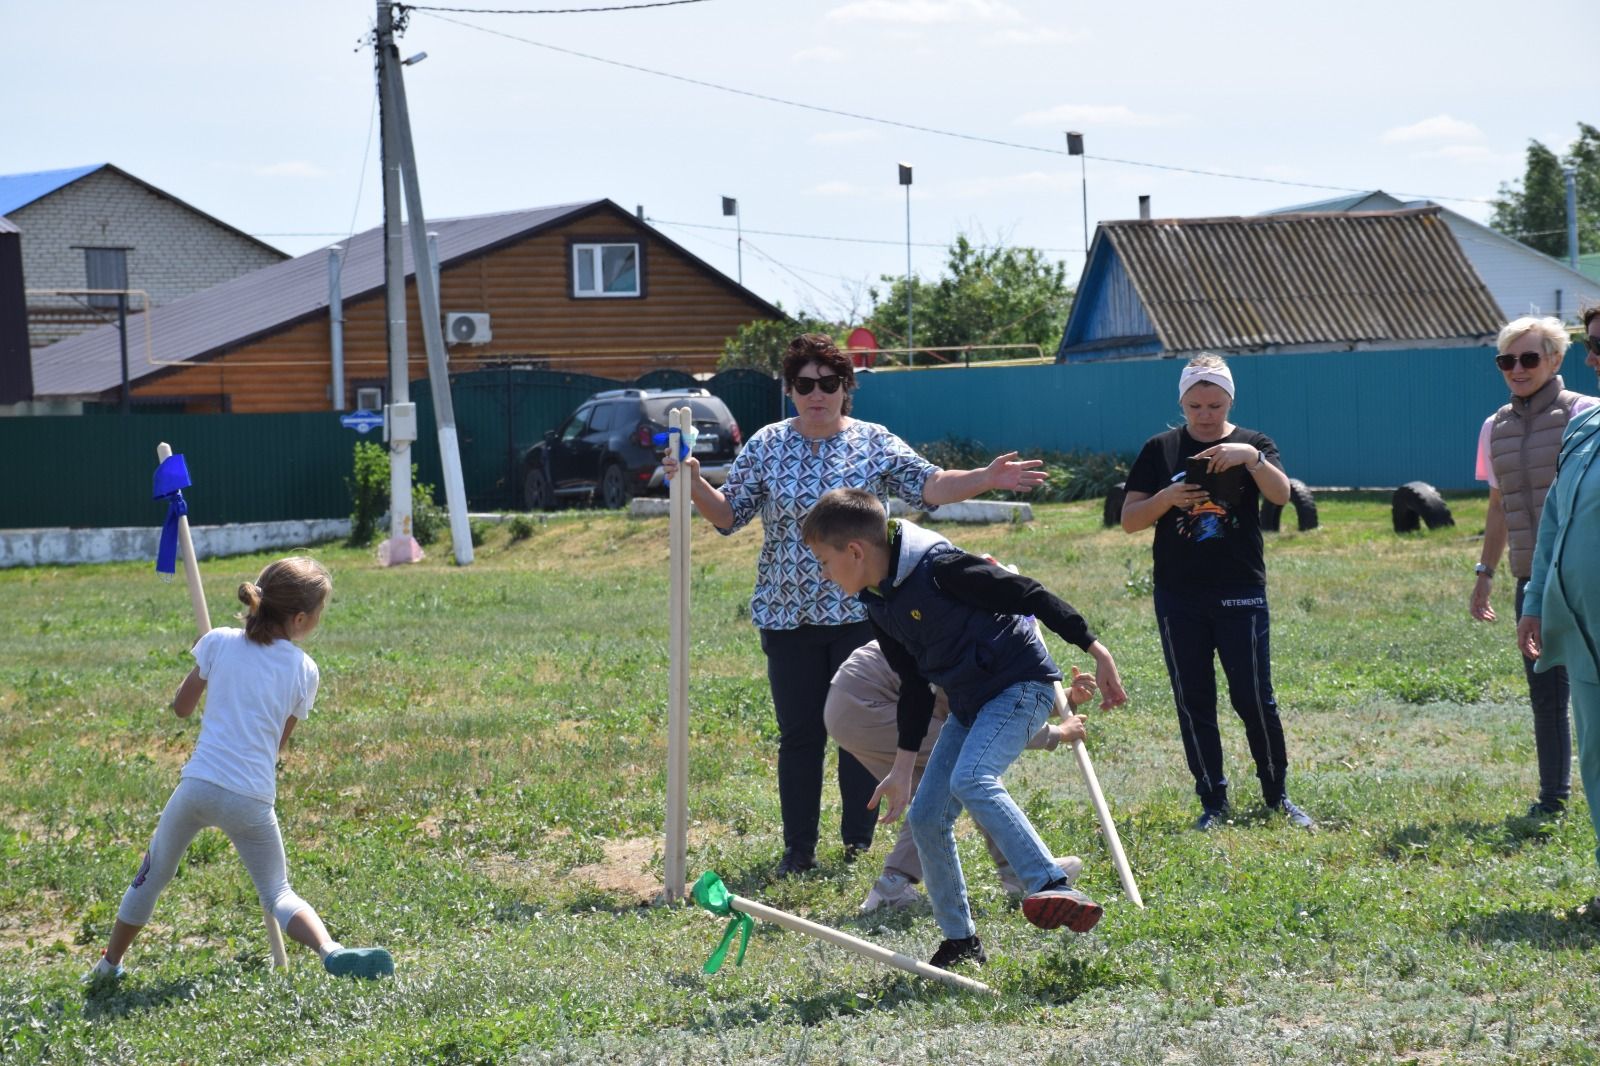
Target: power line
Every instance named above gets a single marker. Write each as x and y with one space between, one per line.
834 237
547 10
860 117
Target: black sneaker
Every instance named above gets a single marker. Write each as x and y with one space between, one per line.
796 862
1295 815
953 951
1211 818
1058 905
1542 810
852 852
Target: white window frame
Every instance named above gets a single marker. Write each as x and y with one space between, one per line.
596 250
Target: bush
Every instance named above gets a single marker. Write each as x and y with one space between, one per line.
369 491
428 519
520 528
478 529
1072 475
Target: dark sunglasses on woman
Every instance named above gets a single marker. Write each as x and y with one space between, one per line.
829 382
1529 360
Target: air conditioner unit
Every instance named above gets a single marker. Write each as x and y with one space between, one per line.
463 328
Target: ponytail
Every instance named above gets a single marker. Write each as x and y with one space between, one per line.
284 589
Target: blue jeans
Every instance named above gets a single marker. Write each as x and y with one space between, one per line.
964 770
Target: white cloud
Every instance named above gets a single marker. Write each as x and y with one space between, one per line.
1092 115
925 12
1033 36
1437 128
822 53
289 168
844 136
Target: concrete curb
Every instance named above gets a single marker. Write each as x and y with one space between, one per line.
67 547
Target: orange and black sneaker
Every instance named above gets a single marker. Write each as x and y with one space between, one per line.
1057 905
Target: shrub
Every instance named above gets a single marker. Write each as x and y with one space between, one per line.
428 519
1072 475
478 529
369 491
520 528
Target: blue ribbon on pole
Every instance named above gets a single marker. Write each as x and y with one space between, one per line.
171 478
685 442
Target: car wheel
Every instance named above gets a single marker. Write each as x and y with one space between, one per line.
613 488
536 495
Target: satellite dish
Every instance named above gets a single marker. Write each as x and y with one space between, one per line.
864 347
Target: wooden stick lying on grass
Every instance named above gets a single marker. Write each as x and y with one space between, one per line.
714 896
202 624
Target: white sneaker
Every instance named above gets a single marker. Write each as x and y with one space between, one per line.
103 974
892 890
1071 867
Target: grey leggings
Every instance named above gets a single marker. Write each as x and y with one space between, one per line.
250 823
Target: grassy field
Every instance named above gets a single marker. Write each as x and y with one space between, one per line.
480 789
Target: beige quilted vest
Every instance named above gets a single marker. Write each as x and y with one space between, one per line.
1523 444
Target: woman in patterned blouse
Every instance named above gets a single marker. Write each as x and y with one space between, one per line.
808 627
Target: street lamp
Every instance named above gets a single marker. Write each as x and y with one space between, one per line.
1075 147
905 179
730 206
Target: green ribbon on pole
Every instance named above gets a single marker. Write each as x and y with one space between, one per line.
714 896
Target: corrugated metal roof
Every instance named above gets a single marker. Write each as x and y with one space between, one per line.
235 312
20 190
1286 281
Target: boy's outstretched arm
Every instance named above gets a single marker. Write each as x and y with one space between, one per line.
988 585
188 694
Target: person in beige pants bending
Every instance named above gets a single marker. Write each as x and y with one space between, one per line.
860 716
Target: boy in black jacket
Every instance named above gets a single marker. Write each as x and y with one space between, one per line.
944 616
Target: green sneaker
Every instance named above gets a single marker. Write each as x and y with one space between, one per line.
358 962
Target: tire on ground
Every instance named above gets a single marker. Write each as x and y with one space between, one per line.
1112 515
1417 502
1303 502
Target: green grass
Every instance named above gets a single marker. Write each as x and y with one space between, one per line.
480 789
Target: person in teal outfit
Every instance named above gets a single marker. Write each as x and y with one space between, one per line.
1560 624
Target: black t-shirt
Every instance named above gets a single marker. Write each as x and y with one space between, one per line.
1214 544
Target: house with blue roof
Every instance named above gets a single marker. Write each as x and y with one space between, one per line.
97 227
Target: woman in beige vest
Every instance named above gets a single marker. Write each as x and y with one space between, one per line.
1517 450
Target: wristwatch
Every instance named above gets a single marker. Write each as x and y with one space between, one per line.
1484 571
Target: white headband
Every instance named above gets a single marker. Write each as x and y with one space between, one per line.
1194 375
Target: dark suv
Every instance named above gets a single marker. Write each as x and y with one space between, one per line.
606 449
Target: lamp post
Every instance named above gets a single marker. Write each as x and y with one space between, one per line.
730 206
1075 147
911 353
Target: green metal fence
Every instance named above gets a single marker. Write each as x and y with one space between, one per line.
95 472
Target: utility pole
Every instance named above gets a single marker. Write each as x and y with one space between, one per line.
1571 174
399 414
730 206
911 349
1075 147
428 307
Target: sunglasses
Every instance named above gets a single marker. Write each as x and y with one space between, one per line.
1529 360
828 383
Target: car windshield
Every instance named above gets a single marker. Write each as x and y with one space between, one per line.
705 410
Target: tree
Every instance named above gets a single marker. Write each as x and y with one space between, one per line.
760 345
1534 209
986 296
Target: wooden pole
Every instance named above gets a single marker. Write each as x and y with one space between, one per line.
1102 811
861 947
675 854
202 624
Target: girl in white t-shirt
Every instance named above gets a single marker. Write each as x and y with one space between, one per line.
260 686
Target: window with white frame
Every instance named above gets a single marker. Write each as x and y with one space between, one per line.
605 270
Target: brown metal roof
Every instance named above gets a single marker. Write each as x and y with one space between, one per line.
1280 281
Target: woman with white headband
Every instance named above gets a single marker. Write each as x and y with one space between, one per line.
1211 580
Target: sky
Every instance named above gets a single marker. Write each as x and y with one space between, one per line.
262 115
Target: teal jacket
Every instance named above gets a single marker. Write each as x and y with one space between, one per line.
1556 592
